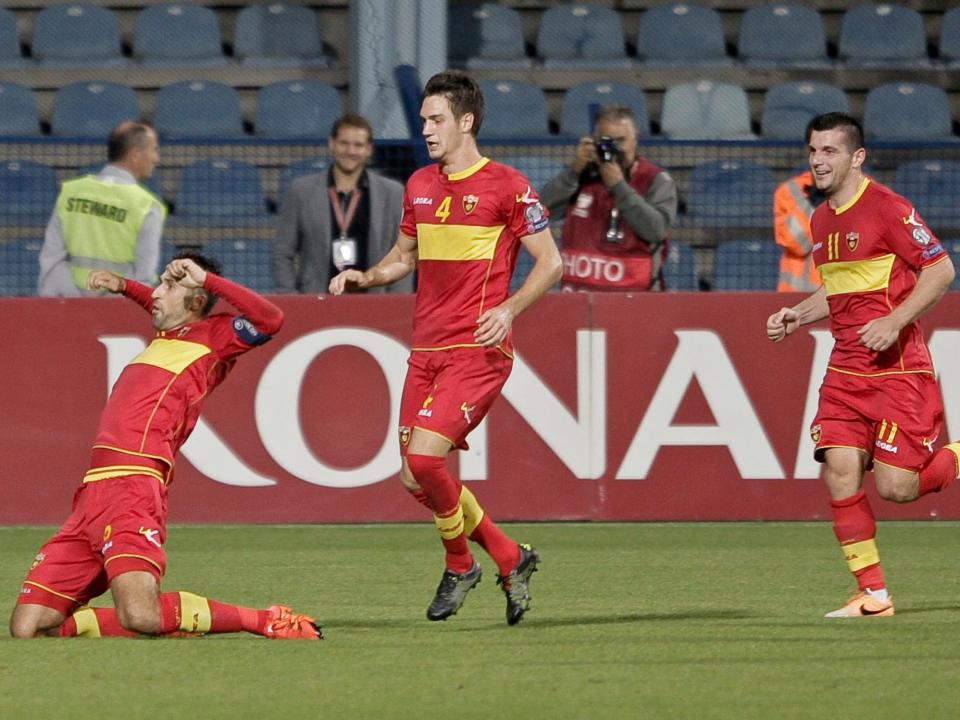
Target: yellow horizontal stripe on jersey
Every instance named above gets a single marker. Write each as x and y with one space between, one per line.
457 242
172 355
857 276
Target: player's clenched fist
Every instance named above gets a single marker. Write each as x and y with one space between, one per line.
105 280
782 323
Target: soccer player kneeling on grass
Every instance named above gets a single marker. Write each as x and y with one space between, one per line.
880 404
114 536
464 220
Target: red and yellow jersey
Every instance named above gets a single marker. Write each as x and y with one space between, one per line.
869 253
467 226
156 400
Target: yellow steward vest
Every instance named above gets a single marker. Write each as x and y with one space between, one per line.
101 222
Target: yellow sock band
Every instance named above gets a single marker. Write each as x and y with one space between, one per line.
860 555
450 526
472 512
194 613
87 623
954 447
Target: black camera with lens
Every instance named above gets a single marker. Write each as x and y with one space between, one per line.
608 150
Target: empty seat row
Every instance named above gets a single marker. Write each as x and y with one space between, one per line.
584 35
166 35
707 110
194 109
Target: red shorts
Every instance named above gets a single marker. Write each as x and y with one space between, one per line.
448 392
116 526
895 419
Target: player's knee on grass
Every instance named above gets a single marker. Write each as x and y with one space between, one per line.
29 621
136 596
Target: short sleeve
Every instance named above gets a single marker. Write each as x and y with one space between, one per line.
408 223
910 238
526 215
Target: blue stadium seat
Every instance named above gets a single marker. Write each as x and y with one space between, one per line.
297 109
152 183
178 34
907 111
248 262
747 265
513 110
279 35
77 34
539 169
19 266
220 192
782 36
581 36
18 111
682 34
731 193
679 269
705 110
310 166
582 101
883 35
933 186
29 191
195 109
10 56
485 36
949 44
92 109
788 107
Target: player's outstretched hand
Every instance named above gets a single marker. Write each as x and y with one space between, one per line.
347 280
105 280
186 272
783 322
493 326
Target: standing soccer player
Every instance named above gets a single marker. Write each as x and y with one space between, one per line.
880 403
115 534
464 220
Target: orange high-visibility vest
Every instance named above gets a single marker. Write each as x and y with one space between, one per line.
791 227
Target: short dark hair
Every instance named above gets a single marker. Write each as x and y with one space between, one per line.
208 263
354 120
125 137
461 91
838 120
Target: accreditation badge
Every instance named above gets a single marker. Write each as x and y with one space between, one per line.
344 253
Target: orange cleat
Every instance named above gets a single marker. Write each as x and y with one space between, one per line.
284 624
864 604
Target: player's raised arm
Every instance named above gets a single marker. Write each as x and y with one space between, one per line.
399 262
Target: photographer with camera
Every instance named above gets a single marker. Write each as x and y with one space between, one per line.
617 208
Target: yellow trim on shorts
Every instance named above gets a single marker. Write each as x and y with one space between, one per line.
50 590
114 471
461 345
432 432
880 374
133 555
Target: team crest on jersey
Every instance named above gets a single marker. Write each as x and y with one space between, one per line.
404 435
469 203
815 433
853 239
37 560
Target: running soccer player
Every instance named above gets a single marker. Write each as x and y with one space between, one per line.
114 536
464 219
880 403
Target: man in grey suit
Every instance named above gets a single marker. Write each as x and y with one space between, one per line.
344 218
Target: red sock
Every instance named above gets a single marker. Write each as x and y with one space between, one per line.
106 620
226 618
856 529
940 470
443 494
497 544
207 616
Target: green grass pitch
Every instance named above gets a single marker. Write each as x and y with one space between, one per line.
628 621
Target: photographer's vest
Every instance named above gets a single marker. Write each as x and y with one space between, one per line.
101 222
592 263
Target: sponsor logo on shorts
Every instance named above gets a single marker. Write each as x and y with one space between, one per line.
466 410
425 410
106 547
37 560
893 449
25 590
107 532
815 431
151 535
